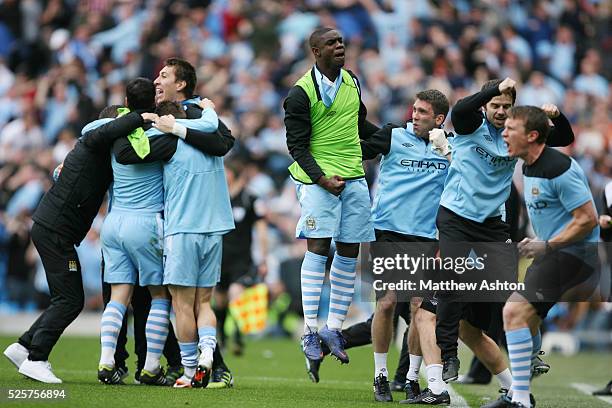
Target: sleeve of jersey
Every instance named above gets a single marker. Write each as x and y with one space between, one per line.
378 143
561 133
162 147
572 189
466 115
101 138
208 121
297 124
217 143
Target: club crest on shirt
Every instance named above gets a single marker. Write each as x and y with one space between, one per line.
310 223
72 266
535 190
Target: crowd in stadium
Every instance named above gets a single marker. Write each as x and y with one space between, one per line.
62 61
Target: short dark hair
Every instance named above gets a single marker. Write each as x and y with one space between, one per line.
170 108
316 35
140 94
439 101
494 83
109 112
533 118
184 71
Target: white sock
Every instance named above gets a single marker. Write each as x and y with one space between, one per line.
189 371
434 378
380 364
415 365
505 379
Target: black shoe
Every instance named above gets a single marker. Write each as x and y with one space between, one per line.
429 398
397 386
173 373
312 368
607 390
382 391
109 375
450 372
137 376
466 379
325 349
504 401
412 388
538 366
201 377
123 372
221 377
150 378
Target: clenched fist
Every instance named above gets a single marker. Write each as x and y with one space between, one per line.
550 110
438 139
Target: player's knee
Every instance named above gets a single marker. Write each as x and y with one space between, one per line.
469 334
319 246
386 304
349 250
423 318
415 304
513 313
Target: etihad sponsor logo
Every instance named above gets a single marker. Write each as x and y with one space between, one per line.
424 164
536 205
494 160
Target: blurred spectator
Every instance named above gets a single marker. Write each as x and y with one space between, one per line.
62 61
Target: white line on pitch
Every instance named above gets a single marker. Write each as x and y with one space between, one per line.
588 390
456 399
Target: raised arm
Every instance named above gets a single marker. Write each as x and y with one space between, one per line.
466 114
561 134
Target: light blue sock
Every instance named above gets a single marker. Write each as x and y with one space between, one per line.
208 337
312 277
110 326
156 331
189 357
519 351
342 279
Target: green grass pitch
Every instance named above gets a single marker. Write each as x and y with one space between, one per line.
272 374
